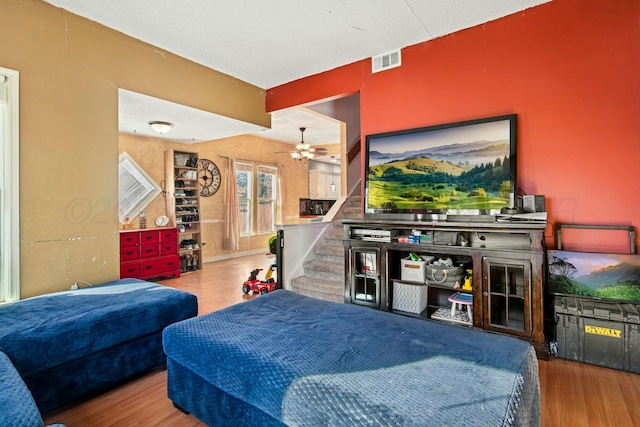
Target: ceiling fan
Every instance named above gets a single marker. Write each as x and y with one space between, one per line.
305 151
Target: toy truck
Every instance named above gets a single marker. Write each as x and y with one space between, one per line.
253 285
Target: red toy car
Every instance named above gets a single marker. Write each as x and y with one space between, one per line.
254 285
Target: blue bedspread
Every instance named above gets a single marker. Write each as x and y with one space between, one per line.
309 362
41 332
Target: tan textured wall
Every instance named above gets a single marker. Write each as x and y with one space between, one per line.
70 71
149 154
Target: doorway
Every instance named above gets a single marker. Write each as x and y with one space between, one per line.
9 187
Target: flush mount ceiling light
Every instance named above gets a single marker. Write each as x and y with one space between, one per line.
304 151
161 127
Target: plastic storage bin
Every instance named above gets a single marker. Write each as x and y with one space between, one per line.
599 333
409 298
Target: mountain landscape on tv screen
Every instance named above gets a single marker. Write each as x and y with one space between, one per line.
465 176
478 151
611 276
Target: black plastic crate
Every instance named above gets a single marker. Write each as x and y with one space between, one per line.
599 333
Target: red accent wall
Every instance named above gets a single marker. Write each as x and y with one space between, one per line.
570 69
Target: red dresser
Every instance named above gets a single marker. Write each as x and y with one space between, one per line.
150 253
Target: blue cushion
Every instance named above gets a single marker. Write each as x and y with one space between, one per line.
17 407
49 330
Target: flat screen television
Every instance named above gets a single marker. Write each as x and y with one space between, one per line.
464 168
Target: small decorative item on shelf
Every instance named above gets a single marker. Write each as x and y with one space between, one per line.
127 224
143 219
468 280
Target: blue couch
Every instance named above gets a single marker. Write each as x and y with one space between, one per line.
70 345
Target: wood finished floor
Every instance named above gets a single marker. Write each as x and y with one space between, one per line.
572 394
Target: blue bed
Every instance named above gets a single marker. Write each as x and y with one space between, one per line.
286 359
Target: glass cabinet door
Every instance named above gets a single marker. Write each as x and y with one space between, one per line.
506 291
365 276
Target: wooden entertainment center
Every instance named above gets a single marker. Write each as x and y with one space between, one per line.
504 260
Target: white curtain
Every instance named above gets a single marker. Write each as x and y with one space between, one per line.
280 196
232 229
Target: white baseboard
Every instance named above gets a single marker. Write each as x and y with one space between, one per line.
234 255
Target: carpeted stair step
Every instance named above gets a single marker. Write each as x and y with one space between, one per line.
333 239
337 226
325 274
329 253
322 270
352 213
353 202
334 232
329 290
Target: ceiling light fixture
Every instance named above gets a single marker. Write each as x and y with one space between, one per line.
304 151
161 127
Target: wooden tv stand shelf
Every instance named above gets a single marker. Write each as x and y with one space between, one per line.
505 262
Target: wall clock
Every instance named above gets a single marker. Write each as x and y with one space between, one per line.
209 177
162 221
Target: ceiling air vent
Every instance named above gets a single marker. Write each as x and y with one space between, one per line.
386 61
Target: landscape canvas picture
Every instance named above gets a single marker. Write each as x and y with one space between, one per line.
600 275
461 167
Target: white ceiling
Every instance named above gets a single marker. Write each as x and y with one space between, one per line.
191 125
136 110
269 43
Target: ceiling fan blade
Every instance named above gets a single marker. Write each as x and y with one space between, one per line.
318 150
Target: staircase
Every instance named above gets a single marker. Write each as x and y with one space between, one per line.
324 270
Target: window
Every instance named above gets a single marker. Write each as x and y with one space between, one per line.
244 185
136 188
256 187
266 198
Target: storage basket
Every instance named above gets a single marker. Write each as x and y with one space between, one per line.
409 297
445 238
180 159
414 271
445 276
